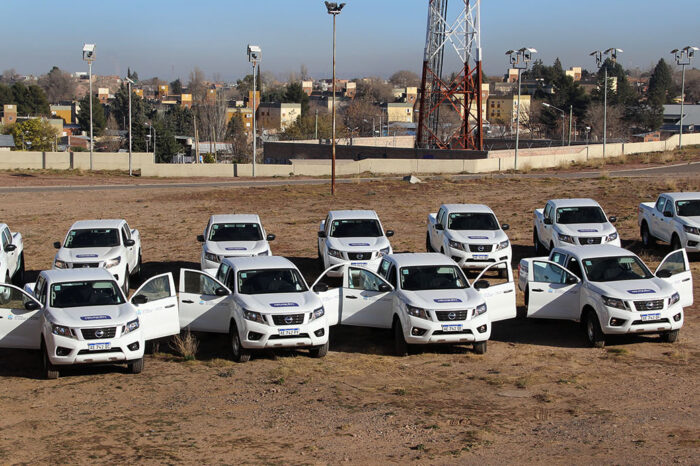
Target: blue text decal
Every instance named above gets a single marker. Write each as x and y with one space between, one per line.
588 231
284 305
95 318
236 249
358 244
86 255
642 291
447 300
478 237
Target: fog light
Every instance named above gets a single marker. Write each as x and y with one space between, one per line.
134 346
416 331
692 244
615 322
254 336
320 332
482 328
677 317
61 351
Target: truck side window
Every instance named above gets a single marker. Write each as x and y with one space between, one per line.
548 211
326 224
124 236
392 276
668 207
221 273
127 230
383 268
575 268
660 204
440 215
39 290
559 258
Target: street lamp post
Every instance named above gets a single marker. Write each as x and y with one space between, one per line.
89 56
129 83
333 10
598 54
683 57
571 118
563 118
588 132
519 60
254 56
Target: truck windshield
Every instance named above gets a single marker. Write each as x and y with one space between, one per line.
569 215
355 228
613 269
472 221
689 208
268 281
85 293
432 277
92 238
235 232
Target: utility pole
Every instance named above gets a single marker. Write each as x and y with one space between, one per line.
683 57
571 114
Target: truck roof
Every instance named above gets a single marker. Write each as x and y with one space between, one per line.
682 196
600 250
70 275
106 223
260 262
467 208
413 259
353 214
579 202
235 218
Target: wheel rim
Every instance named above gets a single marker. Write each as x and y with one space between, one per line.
645 235
235 345
589 328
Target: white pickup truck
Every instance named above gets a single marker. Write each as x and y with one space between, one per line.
609 290
79 317
11 256
470 234
424 298
234 235
352 236
674 218
108 244
572 222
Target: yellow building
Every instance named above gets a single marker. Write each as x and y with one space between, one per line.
502 109
276 116
138 92
401 112
163 90
247 115
62 111
186 100
574 73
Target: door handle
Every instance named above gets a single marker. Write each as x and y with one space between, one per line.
351 297
686 280
187 301
509 291
537 290
170 305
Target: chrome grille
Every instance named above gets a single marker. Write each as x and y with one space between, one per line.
359 256
448 316
653 305
589 240
481 247
288 319
92 333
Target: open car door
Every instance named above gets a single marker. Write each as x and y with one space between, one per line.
500 294
675 269
156 304
553 292
204 304
330 297
20 319
366 299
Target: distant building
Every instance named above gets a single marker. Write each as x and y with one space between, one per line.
502 109
574 73
399 112
350 90
512 76
276 116
672 118
66 112
245 113
163 91
307 87
9 114
103 95
211 95
7 142
186 100
249 103
138 92
653 136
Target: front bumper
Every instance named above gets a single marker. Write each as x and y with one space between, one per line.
479 260
691 243
473 330
668 319
258 336
80 353
372 264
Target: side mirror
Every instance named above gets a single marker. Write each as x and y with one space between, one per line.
321 234
271 237
384 288
10 248
613 219
389 233
130 242
31 305
57 245
664 273
505 227
547 221
668 214
438 226
139 299
320 287
200 238
571 280
221 291
481 285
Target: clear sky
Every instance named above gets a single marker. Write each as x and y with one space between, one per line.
375 37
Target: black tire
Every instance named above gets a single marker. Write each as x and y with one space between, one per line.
135 367
675 243
126 282
670 337
536 242
18 279
239 353
594 334
428 246
400 345
48 370
480 347
647 240
138 272
319 351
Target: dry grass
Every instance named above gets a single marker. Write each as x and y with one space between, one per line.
185 344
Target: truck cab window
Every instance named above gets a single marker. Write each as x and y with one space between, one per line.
575 268
660 204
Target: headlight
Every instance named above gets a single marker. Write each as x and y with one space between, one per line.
611 237
417 312
211 257
130 326
253 316
60 264
62 331
502 245
335 253
691 230
316 313
480 309
112 262
675 297
384 252
456 245
614 302
566 238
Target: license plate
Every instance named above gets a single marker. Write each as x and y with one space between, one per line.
99 346
452 328
481 256
285 332
361 264
647 317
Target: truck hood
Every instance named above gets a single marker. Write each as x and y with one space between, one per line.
235 248
89 254
637 290
477 236
586 229
358 244
443 299
92 316
691 221
280 303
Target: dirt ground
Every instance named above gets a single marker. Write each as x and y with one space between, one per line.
539 395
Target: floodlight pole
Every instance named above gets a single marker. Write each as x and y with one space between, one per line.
128 81
683 57
519 60
571 114
598 54
255 131
333 10
90 79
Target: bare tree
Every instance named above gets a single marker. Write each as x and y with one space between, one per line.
304 72
361 116
617 127
9 76
196 86
58 85
375 89
405 78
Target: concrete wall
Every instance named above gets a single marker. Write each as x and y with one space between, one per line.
75 160
384 141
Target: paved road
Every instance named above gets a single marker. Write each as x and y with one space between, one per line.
682 169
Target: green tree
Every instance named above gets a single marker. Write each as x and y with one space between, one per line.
662 89
99 121
237 135
35 134
166 144
30 100
305 127
180 120
295 93
176 87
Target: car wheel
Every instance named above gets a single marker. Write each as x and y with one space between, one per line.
670 336
240 354
647 239
536 242
594 333
19 275
675 243
136 367
319 351
126 283
480 347
49 370
428 246
400 345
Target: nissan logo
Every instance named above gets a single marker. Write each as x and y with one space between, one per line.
99 333
452 316
650 304
480 248
590 241
289 319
